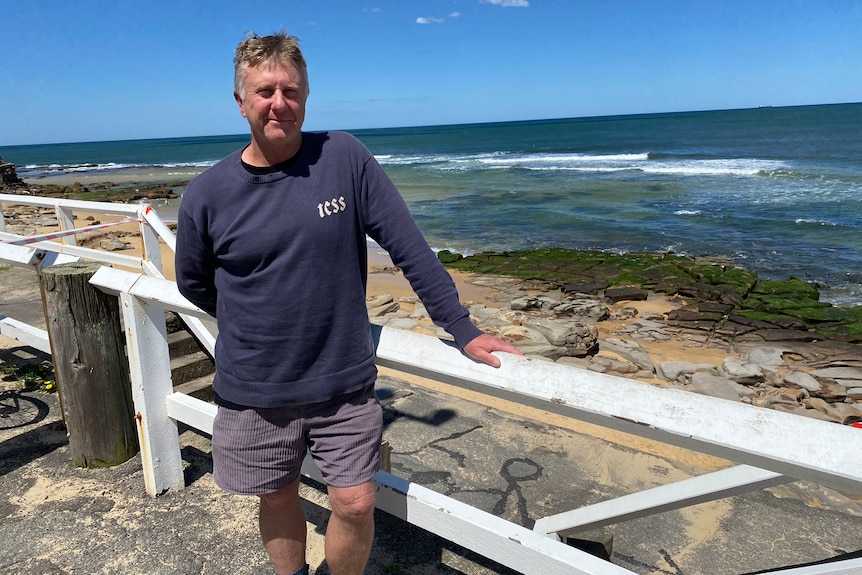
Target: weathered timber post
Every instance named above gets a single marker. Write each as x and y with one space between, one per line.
90 365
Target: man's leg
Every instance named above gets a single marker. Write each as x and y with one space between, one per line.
282 528
350 532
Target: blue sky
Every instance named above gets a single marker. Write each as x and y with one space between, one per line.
123 69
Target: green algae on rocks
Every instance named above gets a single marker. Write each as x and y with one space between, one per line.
792 304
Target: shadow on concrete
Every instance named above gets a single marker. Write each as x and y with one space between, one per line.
20 450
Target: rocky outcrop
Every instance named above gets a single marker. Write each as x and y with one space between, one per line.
719 296
786 373
9 180
10 183
539 327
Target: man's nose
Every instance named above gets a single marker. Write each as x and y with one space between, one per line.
278 100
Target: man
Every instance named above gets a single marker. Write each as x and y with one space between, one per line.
271 241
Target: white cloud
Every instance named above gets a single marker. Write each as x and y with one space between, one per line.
508 3
455 15
429 20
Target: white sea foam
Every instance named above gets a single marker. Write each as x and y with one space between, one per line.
566 159
598 163
32 170
416 159
817 222
96 168
723 167
200 164
687 213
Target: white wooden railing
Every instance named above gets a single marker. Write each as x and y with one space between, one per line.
770 447
62 246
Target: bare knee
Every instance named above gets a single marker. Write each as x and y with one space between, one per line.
283 499
353 503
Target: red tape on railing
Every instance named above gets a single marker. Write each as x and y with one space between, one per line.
63 233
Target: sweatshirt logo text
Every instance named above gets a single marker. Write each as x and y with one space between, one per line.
332 206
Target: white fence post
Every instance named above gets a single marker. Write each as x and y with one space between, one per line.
150 238
66 220
150 371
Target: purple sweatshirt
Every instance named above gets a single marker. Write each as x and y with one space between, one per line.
281 261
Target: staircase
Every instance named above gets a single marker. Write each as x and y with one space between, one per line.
192 369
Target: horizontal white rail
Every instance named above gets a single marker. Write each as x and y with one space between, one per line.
783 443
79 252
112 209
25 333
31 257
192 411
49 252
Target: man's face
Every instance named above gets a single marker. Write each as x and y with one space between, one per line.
273 101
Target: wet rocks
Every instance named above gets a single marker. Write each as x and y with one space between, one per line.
535 325
627 293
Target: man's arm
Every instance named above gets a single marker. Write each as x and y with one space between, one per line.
389 222
193 264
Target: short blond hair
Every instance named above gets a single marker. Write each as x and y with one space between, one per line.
255 50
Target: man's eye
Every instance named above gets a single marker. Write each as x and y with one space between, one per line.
265 93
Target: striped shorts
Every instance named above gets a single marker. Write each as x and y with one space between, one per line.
260 450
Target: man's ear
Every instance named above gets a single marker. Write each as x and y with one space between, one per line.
239 103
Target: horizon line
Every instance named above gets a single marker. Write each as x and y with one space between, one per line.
450 125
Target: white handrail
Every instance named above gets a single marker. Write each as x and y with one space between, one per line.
64 249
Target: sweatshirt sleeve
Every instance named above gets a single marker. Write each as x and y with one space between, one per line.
388 221
194 264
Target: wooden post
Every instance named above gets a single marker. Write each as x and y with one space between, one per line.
90 366
386 456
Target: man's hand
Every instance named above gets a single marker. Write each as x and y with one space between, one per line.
480 349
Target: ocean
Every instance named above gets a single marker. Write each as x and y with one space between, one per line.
777 190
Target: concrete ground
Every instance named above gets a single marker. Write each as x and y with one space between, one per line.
57 519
